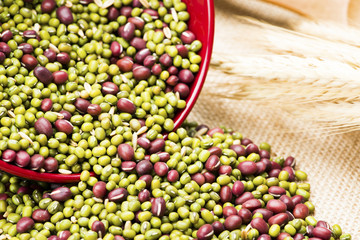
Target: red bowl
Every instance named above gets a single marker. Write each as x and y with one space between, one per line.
202 22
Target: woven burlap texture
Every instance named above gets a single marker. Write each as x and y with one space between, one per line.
332 162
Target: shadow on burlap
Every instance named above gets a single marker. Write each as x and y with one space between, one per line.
332 162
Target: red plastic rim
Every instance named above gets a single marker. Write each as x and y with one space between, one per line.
202 23
37 176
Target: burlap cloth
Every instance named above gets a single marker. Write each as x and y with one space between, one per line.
332 162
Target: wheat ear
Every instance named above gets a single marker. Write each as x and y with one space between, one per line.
287 78
284 41
309 88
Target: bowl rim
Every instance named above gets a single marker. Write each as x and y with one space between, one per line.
178 120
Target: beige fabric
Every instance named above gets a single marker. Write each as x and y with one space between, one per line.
332 162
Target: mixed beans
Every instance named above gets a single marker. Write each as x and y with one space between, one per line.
199 183
78 78
92 86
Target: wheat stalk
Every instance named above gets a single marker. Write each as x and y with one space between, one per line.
323 90
284 41
330 31
277 76
296 22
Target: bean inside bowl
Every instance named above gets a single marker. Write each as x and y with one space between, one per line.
201 24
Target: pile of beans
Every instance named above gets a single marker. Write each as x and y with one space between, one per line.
78 78
200 183
92 86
